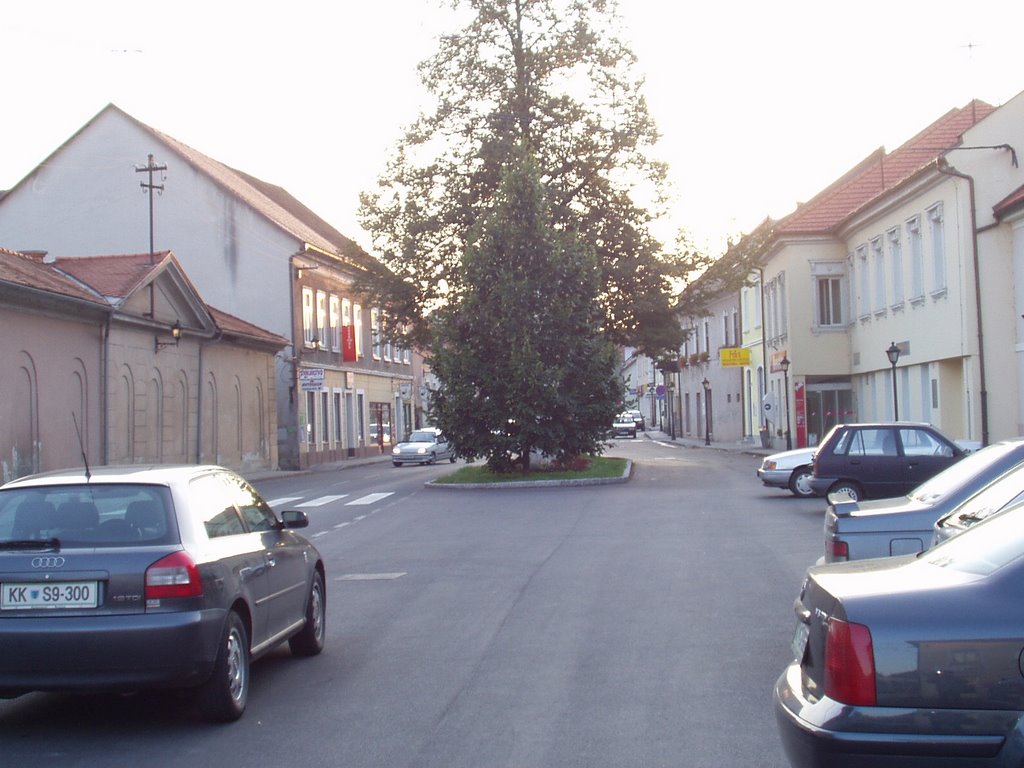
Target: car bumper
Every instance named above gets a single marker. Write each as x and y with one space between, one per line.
410 458
109 652
828 734
775 478
820 485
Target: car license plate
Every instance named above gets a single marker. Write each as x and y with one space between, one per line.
49 595
800 640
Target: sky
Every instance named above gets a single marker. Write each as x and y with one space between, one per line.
760 104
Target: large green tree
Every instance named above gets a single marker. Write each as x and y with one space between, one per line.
551 75
522 363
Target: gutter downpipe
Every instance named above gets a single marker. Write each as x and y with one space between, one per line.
946 169
105 392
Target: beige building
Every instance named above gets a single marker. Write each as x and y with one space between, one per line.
253 251
119 361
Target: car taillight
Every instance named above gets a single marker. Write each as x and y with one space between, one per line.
839 550
173 576
849 664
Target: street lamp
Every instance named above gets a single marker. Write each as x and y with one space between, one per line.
707 411
893 353
784 365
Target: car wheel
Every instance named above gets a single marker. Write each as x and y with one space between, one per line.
396 463
433 459
224 695
310 639
800 482
451 458
850 488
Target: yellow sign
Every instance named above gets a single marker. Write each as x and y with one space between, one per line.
733 356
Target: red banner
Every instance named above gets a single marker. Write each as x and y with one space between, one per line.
348 343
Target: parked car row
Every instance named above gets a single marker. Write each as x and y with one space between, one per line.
911 654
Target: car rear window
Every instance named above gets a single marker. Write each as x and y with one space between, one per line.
94 515
983 548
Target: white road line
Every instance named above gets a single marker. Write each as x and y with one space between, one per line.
369 499
370 576
283 500
321 501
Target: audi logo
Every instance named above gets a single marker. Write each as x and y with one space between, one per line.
48 562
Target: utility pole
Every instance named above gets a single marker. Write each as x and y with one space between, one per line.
148 187
149 168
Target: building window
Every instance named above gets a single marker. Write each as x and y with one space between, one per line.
830 304
357 322
375 332
321 320
311 418
863 282
308 328
938 237
325 418
878 268
916 258
895 265
334 341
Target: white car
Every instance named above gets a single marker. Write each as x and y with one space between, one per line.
790 470
424 446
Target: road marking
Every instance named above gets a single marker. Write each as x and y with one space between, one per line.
371 576
369 499
342 525
321 501
283 500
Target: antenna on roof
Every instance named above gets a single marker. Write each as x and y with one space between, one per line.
81 447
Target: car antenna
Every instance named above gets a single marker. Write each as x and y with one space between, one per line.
81 446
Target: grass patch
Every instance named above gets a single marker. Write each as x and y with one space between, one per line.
599 467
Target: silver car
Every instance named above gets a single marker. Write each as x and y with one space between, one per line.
424 446
855 530
791 470
128 578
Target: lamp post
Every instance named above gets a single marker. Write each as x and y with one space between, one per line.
784 365
893 353
707 411
670 405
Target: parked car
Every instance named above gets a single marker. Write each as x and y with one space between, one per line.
998 498
990 477
424 446
638 419
912 660
127 578
623 426
880 460
791 470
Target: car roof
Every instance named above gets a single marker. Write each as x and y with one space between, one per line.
154 474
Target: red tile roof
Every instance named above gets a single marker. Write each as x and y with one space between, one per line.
30 272
881 172
114 277
234 326
1010 203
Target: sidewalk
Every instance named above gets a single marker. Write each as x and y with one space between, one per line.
752 448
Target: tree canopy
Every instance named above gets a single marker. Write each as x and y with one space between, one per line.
552 76
522 364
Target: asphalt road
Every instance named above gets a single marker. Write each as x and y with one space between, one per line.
641 624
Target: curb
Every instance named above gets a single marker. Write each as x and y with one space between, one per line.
624 478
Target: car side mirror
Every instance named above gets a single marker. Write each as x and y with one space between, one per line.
294 518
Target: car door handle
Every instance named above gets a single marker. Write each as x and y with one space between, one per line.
271 560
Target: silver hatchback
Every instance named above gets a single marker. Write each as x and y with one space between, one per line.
128 578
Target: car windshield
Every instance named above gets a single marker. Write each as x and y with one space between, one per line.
422 437
85 515
984 548
960 473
